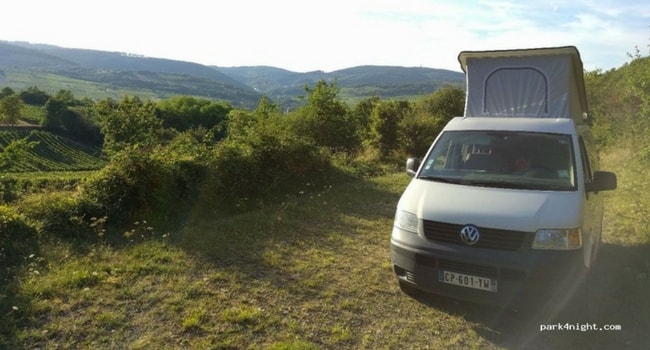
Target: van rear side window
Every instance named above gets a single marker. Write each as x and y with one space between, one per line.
508 159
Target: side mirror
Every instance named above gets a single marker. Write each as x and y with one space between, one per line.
412 165
602 181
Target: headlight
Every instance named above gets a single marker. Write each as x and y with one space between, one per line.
406 221
558 239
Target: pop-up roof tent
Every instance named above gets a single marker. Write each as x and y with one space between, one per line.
542 83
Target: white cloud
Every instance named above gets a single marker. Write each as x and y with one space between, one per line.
303 35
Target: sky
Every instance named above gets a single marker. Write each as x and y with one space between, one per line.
327 35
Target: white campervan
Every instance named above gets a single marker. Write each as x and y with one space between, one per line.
507 200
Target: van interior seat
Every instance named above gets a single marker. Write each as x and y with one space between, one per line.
481 161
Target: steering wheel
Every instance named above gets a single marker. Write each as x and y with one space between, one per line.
541 172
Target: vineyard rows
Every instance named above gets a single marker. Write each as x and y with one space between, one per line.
52 153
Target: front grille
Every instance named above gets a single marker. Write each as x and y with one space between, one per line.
489 238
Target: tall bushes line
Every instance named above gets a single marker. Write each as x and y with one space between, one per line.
263 164
620 106
259 156
161 165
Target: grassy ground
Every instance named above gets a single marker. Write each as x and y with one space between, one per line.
312 273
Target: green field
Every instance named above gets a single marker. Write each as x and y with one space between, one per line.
23 79
50 153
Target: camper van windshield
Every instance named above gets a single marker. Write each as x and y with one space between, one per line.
507 159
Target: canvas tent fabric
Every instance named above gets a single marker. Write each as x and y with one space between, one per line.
540 83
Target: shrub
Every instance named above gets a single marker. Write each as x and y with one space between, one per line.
186 160
417 132
18 240
385 119
326 120
59 214
155 185
18 245
128 123
8 190
266 163
15 186
133 186
365 163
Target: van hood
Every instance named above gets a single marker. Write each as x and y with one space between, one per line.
509 209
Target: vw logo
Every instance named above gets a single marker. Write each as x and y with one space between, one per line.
469 234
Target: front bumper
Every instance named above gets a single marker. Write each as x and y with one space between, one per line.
520 275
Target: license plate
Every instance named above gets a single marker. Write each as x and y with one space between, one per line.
469 281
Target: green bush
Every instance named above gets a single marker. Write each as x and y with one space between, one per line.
368 162
186 160
9 190
326 120
417 132
18 240
18 247
264 164
16 186
385 119
145 184
419 129
133 186
61 214
267 163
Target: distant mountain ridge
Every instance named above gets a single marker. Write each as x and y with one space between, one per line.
101 74
120 61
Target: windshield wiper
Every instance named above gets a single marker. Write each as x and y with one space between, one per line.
552 188
499 184
518 186
441 179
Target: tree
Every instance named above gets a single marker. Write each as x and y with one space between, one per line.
416 133
73 123
240 123
186 112
34 96
6 91
66 97
131 122
243 124
385 120
362 113
10 109
418 129
326 120
446 103
265 108
54 110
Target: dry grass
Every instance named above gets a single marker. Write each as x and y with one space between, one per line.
311 273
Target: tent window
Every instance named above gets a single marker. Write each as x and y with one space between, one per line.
516 91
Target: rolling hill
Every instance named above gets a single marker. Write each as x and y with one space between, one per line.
100 74
355 83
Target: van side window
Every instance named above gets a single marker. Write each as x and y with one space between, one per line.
585 161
